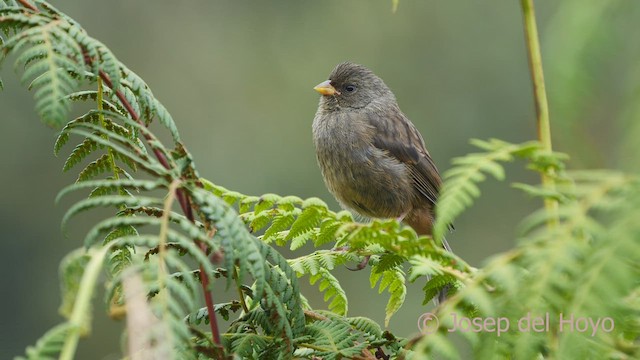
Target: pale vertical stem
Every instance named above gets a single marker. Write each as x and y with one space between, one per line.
82 306
540 98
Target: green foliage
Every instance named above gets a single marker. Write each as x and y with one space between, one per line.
49 345
583 267
171 234
393 281
50 58
333 293
461 181
71 271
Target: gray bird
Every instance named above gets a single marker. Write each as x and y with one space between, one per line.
372 157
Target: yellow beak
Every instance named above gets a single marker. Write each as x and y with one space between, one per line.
325 88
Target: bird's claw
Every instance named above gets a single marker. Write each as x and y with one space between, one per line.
362 264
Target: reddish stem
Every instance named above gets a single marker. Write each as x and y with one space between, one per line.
183 198
185 204
26 4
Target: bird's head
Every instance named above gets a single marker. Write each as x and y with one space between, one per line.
352 86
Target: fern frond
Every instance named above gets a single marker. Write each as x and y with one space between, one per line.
394 281
581 267
280 223
460 182
305 223
334 340
63 137
49 57
97 167
80 152
134 154
139 185
275 281
367 326
71 271
246 345
150 107
333 292
292 298
320 259
388 261
103 201
49 345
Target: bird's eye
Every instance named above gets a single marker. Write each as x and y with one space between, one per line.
350 88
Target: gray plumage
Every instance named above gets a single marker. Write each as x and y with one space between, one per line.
372 157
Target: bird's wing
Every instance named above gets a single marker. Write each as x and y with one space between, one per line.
400 138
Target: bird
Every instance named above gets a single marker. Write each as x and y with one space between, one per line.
372 157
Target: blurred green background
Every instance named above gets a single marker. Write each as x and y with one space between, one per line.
237 77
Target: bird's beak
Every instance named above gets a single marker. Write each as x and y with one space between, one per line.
325 88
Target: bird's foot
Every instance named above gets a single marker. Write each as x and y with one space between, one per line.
362 265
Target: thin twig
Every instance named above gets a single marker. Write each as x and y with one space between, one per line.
540 100
28 5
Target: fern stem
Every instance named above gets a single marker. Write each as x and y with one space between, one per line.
183 199
316 347
81 307
28 5
245 308
162 250
185 204
540 99
112 157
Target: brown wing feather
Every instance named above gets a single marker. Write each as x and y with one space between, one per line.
405 143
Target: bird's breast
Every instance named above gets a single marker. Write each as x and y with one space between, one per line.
361 176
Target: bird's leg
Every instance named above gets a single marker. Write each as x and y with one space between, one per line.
361 265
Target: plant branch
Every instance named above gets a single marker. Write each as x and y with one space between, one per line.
183 198
81 306
28 5
185 204
540 98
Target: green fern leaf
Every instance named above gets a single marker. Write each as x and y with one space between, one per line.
367 326
292 300
333 292
49 61
246 345
327 231
63 137
280 223
304 223
150 106
146 185
389 261
321 259
92 96
49 345
394 281
136 155
95 168
334 340
71 271
113 200
79 153
459 188
267 201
